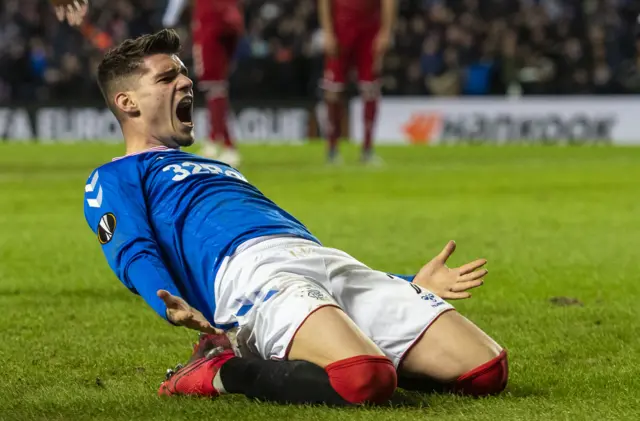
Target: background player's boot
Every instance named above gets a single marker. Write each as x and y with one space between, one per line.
210 150
371 159
334 157
196 378
230 156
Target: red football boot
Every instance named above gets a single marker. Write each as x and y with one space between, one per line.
208 342
196 378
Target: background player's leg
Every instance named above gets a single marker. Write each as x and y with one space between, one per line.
230 155
217 104
335 73
333 85
368 70
211 53
370 96
456 354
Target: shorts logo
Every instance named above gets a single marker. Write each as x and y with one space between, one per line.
314 293
433 299
106 228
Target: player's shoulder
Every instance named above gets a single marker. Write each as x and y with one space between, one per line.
106 174
101 179
110 179
128 168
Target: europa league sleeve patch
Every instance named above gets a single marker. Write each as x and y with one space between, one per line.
106 228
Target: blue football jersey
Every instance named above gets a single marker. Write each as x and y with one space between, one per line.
166 219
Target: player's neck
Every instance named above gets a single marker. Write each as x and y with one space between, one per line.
136 143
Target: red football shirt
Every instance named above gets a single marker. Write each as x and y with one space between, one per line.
210 8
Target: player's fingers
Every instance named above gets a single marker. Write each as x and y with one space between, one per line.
169 300
207 328
456 295
470 267
465 286
477 274
446 252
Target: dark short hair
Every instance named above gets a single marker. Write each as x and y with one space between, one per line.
126 59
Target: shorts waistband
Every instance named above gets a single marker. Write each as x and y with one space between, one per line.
256 245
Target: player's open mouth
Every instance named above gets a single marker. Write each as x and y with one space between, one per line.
184 111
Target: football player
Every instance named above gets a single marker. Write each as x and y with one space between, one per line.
207 250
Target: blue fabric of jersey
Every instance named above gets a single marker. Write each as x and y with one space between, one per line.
177 216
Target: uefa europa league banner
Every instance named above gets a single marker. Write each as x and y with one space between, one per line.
250 123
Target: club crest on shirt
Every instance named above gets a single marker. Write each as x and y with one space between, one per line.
106 228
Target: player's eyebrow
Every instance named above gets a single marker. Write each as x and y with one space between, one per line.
172 71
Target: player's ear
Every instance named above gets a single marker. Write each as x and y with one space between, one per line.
126 103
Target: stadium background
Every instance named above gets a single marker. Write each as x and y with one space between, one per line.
452 48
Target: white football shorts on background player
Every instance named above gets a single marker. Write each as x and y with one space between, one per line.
272 284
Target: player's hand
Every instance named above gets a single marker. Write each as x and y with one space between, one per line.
330 44
451 283
73 11
179 312
381 44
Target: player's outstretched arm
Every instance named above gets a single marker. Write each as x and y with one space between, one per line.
449 283
117 214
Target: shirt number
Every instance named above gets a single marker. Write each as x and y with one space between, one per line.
187 168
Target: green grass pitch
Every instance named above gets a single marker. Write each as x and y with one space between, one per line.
553 222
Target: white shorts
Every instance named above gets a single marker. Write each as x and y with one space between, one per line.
272 285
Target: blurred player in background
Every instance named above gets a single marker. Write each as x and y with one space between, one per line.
356 33
217 26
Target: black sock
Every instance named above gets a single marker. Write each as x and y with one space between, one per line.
295 382
421 384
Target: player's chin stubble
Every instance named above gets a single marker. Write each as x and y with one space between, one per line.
184 141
